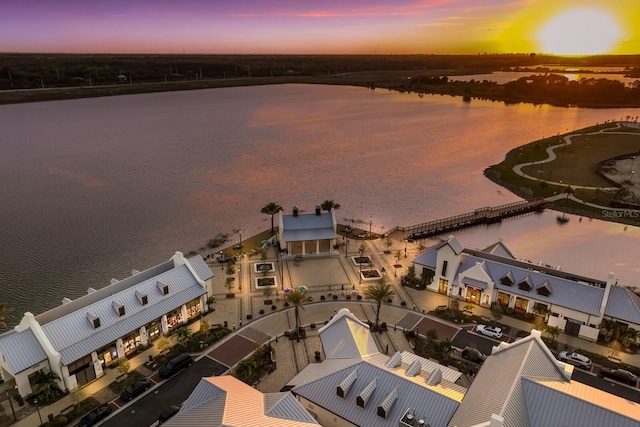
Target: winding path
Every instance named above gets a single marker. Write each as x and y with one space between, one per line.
552 156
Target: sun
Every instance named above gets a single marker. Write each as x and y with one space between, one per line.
579 32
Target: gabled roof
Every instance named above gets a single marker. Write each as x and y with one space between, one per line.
200 267
433 403
428 258
308 227
227 401
566 293
74 337
561 403
346 337
624 305
21 350
498 388
499 249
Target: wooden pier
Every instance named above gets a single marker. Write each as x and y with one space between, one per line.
486 215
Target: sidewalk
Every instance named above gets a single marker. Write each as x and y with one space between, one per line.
320 276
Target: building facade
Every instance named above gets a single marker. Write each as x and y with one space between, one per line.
82 337
574 303
302 234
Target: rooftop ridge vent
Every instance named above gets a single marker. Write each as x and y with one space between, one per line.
414 369
113 281
65 300
90 291
134 272
435 378
345 385
394 361
94 320
366 393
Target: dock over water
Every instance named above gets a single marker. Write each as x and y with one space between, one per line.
486 215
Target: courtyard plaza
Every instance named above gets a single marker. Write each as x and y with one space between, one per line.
326 277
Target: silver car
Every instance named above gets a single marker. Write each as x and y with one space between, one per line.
575 359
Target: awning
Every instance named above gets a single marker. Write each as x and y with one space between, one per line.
479 284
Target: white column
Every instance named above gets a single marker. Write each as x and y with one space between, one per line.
204 308
318 246
144 339
97 364
120 347
165 324
183 313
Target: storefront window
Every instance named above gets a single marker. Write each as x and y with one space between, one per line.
193 308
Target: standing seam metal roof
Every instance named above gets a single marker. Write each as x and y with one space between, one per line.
74 337
566 293
624 305
21 350
437 409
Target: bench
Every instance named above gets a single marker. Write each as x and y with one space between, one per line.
121 378
68 409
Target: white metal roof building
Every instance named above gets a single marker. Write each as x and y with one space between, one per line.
522 384
577 304
75 340
227 401
307 234
346 337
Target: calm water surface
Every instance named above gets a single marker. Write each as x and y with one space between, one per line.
94 188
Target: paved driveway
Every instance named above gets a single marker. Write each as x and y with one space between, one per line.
468 339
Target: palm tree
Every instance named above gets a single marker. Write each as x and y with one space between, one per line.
379 292
630 336
610 328
296 297
183 334
446 349
553 332
5 313
46 381
327 205
246 368
271 209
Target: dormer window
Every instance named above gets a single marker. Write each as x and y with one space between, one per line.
119 308
385 406
507 279
163 287
345 385
365 394
544 289
94 320
143 298
525 284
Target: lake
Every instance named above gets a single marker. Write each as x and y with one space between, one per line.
94 188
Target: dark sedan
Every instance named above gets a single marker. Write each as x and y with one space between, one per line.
135 389
96 415
619 375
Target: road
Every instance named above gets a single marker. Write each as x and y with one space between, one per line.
614 388
144 411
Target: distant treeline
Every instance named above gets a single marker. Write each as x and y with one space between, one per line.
550 89
26 71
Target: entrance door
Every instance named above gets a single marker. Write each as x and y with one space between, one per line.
443 286
85 376
572 328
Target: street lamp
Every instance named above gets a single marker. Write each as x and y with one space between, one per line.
239 281
346 247
370 224
13 411
360 265
395 268
35 401
240 233
633 159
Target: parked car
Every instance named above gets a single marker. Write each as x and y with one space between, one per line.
135 389
490 331
619 375
96 415
575 359
473 355
176 364
224 258
168 413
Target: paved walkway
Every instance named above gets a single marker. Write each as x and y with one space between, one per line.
322 277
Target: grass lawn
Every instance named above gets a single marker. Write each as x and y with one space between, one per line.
575 165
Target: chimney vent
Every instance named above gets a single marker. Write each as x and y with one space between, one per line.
295 211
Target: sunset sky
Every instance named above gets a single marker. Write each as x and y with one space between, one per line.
321 26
